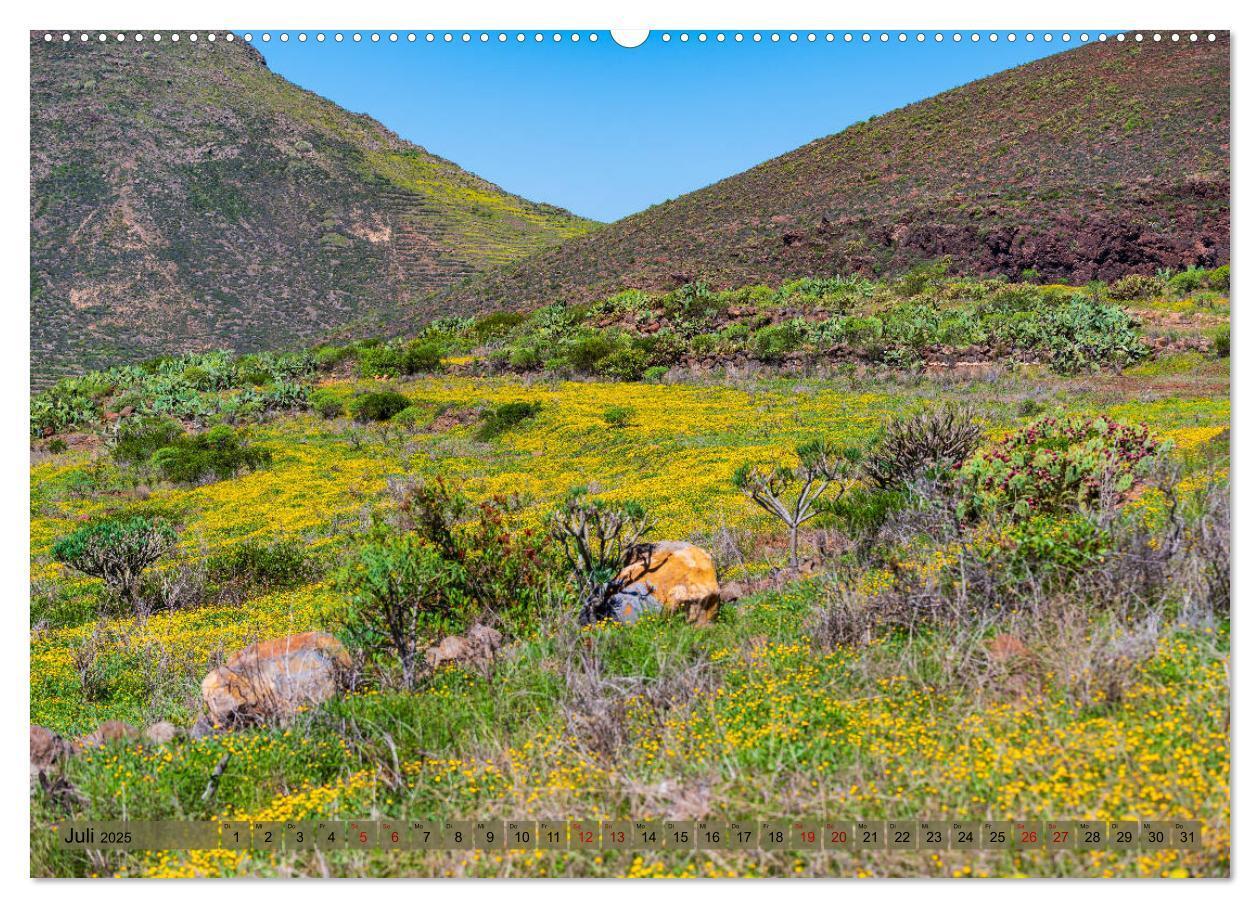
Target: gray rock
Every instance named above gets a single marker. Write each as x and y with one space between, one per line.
202 728
630 605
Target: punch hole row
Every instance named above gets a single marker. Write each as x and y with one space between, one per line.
664 37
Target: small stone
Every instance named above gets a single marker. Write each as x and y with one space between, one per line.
108 732
162 733
478 647
1007 648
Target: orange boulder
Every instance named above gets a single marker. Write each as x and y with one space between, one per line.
678 575
275 679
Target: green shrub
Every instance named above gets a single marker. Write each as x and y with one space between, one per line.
1218 279
1184 283
709 342
217 453
1135 287
58 446
774 342
410 417
1220 341
402 595
326 403
422 356
924 443
252 375
254 567
618 417
1044 544
505 567
117 550
1030 406
198 377
328 357
378 406
525 356
1060 464
380 360
923 277
139 439
655 374
496 324
584 352
392 360
860 512
625 364
505 417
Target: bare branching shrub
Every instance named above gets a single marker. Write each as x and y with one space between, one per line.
844 617
793 494
1208 565
595 707
597 539
181 586
848 617
91 668
601 709
1180 560
728 545
922 443
1100 657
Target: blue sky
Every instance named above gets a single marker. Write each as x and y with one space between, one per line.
606 131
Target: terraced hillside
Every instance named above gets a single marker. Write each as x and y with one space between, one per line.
1098 162
183 196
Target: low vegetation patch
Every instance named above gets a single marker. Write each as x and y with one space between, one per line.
378 406
216 454
505 417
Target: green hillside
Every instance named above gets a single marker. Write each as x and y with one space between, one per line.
185 197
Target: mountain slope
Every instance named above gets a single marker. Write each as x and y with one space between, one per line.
183 196
1088 164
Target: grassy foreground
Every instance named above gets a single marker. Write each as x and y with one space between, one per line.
1107 712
